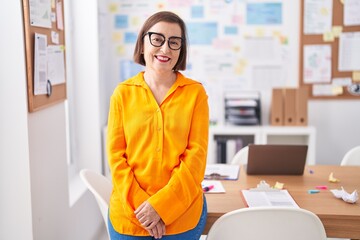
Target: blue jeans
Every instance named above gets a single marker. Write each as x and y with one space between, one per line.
193 234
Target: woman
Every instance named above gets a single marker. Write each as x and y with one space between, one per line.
157 140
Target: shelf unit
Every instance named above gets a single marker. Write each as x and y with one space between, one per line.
260 135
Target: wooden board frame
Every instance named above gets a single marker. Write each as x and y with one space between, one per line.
338 15
58 93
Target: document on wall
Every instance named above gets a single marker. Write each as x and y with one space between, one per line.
317 16
349 49
40 13
273 198
56 64
317 63
351 12
40 64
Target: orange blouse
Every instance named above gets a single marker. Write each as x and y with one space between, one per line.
157 153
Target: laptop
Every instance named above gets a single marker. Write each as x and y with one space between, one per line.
276 159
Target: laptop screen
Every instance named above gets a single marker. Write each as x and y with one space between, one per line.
276 159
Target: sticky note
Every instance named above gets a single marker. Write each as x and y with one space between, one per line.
279 185
332 179
328 37
356 76
113 8
337 90
336 30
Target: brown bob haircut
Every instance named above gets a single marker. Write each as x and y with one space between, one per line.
163 16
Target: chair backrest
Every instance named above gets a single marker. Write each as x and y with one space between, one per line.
241 156
101 187
352 157
280 223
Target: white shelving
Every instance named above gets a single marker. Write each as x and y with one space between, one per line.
264 135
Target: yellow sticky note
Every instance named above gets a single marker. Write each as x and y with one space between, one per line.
332 179
324 11
120 50
337 90
356 76
328 37
260 32
336 30
113 7
117 37
279 185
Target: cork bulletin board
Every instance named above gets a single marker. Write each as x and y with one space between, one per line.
53 31
332 40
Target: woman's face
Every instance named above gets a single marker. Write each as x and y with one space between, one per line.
162 59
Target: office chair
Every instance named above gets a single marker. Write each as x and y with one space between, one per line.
241 156
101 188
280 223
352 157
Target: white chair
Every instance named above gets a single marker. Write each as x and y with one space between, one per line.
280 223
101 187
241 156
352 157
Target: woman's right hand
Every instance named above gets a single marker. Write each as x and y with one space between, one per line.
158 231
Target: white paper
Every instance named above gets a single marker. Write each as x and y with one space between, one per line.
222 171
280 198
40 13
317 63
342 81
323 90
218 187
349 51
59 16
317 16
40 64
56 64
262 49
344 195
351 12
266 77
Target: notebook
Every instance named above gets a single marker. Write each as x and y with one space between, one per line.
276 159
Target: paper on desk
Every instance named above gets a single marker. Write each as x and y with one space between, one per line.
274 198
344 195
222 171
218 187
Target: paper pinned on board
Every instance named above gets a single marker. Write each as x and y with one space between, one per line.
344 195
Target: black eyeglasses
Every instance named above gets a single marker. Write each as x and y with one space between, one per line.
158 39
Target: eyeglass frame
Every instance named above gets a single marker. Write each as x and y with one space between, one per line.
168 40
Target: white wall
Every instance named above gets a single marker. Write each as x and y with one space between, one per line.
15 197
337 126
34 187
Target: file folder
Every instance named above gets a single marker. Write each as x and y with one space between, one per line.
290 107
277 107
302 95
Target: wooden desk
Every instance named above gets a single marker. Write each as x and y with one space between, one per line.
341 219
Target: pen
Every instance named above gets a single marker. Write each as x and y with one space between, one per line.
208 188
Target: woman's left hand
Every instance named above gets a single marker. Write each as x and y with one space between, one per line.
147 215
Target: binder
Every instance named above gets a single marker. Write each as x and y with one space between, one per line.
302 95
277 107
290 107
